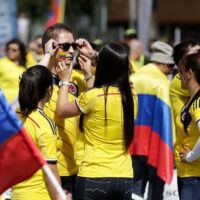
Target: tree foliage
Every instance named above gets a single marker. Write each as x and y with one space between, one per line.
38 9
34 9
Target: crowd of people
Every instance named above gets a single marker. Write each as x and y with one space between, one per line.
107 120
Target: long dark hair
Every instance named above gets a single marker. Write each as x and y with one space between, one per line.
22 49
182 49
113 69
191 61
32 87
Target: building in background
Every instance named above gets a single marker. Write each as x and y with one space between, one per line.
170 21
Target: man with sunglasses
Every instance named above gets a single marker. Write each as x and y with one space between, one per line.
59 46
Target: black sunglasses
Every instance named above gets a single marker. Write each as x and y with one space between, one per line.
171 65
66 46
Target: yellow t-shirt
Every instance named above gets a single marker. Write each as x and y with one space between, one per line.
105 154
134 66
189 139
43 132
32 59
68 129
9 78
178 96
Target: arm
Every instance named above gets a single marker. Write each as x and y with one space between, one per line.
86 68
53 193
85 48
51 188
63 107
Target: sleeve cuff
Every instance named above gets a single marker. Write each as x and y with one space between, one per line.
80 109
190 157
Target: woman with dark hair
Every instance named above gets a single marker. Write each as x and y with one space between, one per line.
35 89
187 150
11 67
107 121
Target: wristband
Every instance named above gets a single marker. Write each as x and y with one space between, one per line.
61 82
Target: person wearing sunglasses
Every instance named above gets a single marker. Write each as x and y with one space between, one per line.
12 66
59 46
35 51
107 121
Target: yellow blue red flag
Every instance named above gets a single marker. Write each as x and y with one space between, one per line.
154 123
20 158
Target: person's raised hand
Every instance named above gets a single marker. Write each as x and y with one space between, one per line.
64 71
85 48
51 47
86 65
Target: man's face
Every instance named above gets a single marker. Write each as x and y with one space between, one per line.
65 54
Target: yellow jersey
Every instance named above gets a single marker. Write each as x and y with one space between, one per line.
42 131
189 139
178 96
68 129
105 154
9 78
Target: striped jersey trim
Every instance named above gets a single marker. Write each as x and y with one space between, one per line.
196 104
51 123
49 161
77 104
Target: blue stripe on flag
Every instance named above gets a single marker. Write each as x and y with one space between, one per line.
160 120
9 122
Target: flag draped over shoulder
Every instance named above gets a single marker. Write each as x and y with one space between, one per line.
19 157
154 123
57 12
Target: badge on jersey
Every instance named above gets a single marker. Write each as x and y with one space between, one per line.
73 89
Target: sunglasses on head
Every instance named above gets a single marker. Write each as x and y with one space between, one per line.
66 46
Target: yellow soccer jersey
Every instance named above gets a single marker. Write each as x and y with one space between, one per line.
30 60
178 96
9 78
104 154
133 66
42 131
189 139
78 84
68 129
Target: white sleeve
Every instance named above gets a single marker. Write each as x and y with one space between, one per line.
195 152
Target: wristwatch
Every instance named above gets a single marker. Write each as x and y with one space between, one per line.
61 82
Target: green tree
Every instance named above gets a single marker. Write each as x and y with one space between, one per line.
34 9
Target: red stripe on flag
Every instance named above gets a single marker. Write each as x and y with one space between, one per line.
146 142
161 157
20 159
140 143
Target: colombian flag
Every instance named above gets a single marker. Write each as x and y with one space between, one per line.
57 12
19 157
154 123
